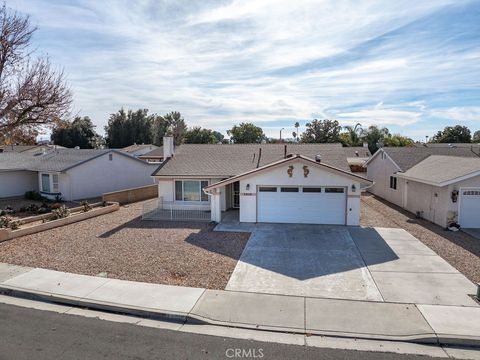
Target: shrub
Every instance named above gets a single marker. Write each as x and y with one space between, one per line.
4 221
33 195
86 206
55 206
14 225
60 213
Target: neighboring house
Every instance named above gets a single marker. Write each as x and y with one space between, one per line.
444 190
277 183
30 149
154 156
72 173
138 150
387 163
357 157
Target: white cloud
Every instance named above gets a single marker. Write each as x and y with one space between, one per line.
380 116
467 113
224 62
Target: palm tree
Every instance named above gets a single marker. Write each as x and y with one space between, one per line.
297 125
354 133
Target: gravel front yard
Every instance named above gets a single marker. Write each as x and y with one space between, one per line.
125 247
461 250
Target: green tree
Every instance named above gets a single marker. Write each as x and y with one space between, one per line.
126 128
197 135
321 131
353 136
246 133
375 136
176 126
453 134
295 133
80 132
397 140
476 137
218 136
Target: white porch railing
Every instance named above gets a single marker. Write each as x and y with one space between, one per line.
168 210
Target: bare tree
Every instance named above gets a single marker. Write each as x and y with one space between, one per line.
32 93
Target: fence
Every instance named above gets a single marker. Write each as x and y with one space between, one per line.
128 196
168 210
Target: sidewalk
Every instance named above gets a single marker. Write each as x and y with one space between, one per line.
291 314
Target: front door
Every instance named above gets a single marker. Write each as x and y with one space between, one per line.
236 195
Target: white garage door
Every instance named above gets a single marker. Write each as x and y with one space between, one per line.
305 205
470 208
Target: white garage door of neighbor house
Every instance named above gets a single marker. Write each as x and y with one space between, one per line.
470 208
305 205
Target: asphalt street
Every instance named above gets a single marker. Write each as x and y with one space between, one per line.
34 334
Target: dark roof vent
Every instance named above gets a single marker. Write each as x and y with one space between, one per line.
356 153
318 158
288 156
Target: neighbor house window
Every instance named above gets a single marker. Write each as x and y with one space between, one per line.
46 183
190 190
55 183
393 182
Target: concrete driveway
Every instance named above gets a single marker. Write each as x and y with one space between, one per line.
307 260
376 264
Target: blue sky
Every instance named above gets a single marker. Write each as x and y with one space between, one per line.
412 66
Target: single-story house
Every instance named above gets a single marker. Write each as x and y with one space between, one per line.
387 165
274 183
139 149
72 173
444 190
154 156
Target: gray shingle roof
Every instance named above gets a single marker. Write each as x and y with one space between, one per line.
16 148
135 147
158 152
439 169
54 160
407 157
363 152
232 159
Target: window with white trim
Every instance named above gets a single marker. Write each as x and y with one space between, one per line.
46 183
190 190
393 182
55 183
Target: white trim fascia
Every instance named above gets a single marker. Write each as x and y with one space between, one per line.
441 184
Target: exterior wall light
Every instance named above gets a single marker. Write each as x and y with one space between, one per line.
354 188
247 187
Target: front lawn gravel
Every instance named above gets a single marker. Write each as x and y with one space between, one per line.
459 249
123 246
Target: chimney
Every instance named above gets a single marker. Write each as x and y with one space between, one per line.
168 147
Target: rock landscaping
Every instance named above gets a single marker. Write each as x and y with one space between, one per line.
120 245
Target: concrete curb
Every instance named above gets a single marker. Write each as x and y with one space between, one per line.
193 318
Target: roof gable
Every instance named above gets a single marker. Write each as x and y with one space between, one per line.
293 158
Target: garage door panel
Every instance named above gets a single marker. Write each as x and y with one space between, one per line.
300 207
470 208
